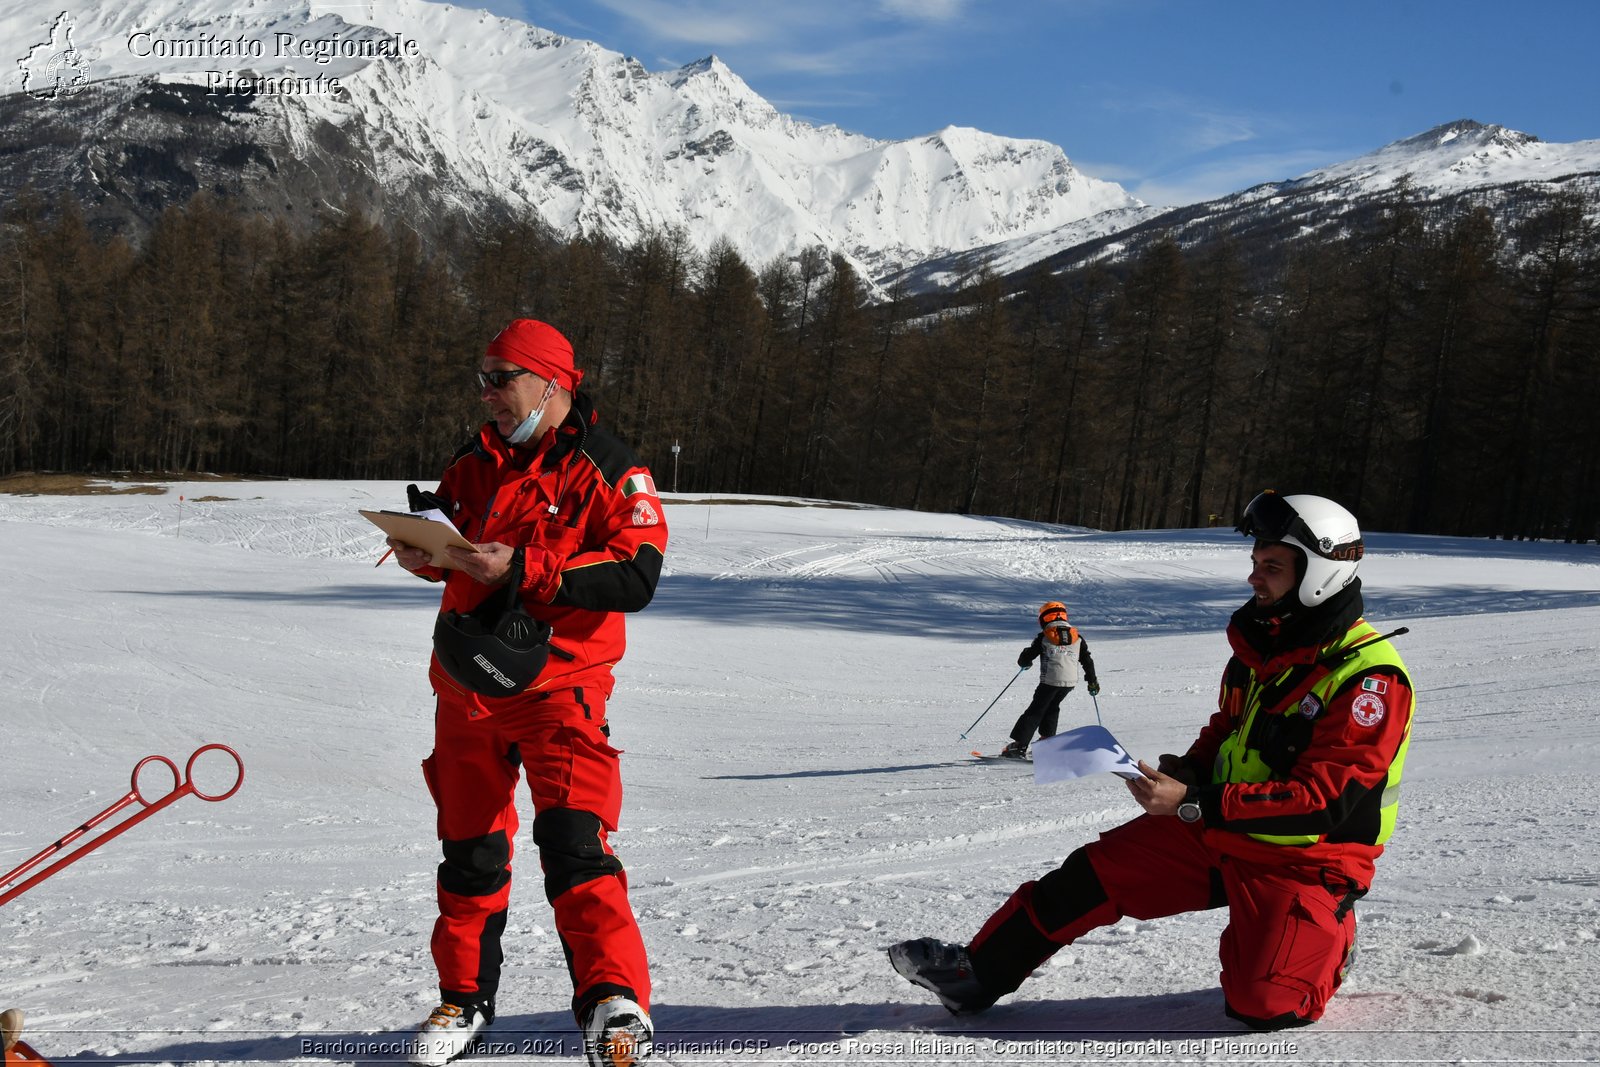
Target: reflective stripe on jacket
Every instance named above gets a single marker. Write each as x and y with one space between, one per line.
1306 757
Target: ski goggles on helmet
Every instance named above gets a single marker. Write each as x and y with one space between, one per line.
1269 517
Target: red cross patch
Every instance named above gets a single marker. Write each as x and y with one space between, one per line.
1367 709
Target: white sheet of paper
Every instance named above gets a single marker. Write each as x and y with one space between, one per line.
1080 753
435 515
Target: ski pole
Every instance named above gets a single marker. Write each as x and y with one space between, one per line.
1096 709
180 789
992 703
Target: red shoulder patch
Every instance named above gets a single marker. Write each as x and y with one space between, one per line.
645 515
1368 709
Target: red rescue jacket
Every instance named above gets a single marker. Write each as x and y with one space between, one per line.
1330 760
585 512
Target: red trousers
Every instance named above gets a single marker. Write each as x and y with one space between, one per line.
1284 952
576 786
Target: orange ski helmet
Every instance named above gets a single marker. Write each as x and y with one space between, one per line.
1054 611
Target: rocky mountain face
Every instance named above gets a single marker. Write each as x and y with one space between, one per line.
415 111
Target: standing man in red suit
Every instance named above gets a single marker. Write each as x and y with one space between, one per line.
568 535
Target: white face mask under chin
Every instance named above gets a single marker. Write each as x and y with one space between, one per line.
528 426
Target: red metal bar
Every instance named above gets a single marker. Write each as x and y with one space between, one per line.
180 788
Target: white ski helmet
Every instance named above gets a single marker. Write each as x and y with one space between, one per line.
1327 535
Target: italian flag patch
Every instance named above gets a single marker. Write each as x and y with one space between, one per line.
1375 685
639 483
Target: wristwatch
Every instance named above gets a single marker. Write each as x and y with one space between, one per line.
1189 811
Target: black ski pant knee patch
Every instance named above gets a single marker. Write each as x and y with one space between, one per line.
1069 892
476 866
571 849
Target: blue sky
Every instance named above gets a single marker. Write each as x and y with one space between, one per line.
1177 100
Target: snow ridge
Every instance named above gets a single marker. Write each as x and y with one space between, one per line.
492 109
1460 155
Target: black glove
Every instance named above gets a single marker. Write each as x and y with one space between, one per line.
1094 689
1177 767
420 501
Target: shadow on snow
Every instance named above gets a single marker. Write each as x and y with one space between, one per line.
690 1029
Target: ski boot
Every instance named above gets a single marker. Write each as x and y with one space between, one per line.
617 1033
945 969
450 1032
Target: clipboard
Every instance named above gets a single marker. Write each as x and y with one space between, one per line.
429 534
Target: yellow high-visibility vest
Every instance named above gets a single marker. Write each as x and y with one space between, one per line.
1237 762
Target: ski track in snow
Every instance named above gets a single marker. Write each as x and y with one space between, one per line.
799 796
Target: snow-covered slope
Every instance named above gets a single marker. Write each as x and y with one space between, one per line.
799 795
1507 172
1460 155
476 109
1504 166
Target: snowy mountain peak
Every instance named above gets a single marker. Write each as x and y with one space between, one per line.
1462 133
1505 171
465 109
1456 156
711 84
710 67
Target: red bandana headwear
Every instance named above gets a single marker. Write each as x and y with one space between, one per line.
540 348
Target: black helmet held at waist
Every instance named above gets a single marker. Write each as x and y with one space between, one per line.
497 649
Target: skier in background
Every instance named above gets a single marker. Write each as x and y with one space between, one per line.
563 512
1066 661
1277 812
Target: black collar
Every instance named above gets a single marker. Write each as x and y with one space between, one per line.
1290 631
573 431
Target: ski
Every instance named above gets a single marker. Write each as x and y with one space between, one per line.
995 757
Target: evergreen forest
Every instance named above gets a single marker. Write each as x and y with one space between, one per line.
1435 370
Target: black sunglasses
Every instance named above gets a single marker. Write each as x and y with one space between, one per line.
498 379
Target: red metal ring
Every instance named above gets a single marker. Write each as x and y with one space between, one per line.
138 795
188 772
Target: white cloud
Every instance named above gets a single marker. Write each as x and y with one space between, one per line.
814 36
1199 125
708 24
1176 186
924 10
